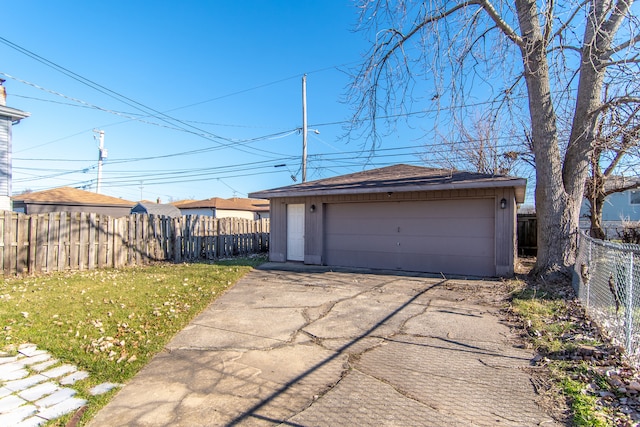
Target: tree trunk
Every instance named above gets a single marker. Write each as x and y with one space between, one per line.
596 230
595 194
552 203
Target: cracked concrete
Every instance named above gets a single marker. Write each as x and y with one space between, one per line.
301 346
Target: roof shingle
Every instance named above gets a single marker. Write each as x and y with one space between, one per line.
397 178
68 195
236 203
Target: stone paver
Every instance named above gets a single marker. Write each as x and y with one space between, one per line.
8 359
9 403
17 415
43 366
5 392
74 377
59 371
33 399
56 397
38 391
103 388
25 383
39 358
34 421
62 408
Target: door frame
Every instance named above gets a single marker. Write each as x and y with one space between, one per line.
295 231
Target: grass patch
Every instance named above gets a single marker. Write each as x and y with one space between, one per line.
555 328
582 404
110 322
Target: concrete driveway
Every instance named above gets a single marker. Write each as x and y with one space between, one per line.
299 346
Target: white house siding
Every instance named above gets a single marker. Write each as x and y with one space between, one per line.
5 163
228 213
197 211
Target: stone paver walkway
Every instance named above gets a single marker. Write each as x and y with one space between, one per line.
35 388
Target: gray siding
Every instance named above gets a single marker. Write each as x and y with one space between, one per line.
5 156
315 222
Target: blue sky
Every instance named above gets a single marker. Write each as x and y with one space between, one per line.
221 80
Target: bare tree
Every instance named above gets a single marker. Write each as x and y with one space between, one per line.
476 147
615 154
544 60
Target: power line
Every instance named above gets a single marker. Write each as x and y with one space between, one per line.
231 143
133 103
343 159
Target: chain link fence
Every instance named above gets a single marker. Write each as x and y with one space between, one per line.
607 281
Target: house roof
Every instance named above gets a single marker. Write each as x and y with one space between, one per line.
71 196
179 203
160 209
398 178
235 203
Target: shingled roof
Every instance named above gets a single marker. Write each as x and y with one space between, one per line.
68 195
235 203
397 178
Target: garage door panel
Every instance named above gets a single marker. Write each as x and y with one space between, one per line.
449 246
431 209
353 242
370 259
451 236
477 227
358 226
475 266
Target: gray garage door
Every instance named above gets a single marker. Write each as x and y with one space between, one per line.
448 236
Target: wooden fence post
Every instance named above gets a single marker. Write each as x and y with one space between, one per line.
79 240
177 232
22 241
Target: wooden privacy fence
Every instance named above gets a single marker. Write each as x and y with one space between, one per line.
62 241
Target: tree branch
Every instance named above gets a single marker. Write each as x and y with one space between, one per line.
620 10
501 23
622 189
567 23
548 25
623 46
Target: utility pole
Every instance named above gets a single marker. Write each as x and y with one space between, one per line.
304 128
102 154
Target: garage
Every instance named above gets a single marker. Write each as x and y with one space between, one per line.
402 218
448 236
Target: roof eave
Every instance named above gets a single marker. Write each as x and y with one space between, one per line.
13 114
518 184
72 203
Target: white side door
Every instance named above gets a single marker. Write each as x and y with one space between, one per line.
295 232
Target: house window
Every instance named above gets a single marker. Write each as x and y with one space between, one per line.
634 197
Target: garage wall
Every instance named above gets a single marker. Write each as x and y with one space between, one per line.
505 221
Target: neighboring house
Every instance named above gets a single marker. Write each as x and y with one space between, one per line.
618 209
400 217
66 199
159 209
8 118
235 207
